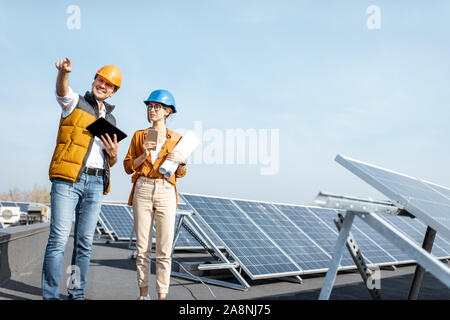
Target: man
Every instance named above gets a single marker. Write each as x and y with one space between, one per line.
79 171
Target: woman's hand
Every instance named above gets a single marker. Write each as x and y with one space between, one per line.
148 146
176 156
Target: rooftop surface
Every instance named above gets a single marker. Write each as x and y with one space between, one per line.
112 276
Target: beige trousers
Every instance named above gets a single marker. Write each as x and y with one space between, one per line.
154 200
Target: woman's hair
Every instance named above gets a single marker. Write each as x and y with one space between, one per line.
171 111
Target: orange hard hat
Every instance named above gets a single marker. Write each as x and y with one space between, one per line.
112 74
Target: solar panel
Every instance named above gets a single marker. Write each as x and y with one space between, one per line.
442 190
320 232
185 239
255 252
119 219
395 255
426 201
105 224
415 231
374 248
23 206
9 204
211 235
288 236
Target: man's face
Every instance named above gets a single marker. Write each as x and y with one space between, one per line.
102 88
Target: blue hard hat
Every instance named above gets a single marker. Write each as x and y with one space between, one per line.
162 96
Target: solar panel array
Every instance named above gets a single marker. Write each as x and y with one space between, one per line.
272 240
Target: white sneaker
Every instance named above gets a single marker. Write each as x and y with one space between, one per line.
147 297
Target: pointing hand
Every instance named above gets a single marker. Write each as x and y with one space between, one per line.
64 65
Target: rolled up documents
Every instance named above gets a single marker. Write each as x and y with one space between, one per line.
186 146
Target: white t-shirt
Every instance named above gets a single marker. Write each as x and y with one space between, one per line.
155 153
68 104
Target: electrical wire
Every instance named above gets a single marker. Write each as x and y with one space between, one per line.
133 256
197 278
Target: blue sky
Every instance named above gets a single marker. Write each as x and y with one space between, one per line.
310 69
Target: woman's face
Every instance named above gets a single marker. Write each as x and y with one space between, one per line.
157 112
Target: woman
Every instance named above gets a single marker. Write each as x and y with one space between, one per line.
153 197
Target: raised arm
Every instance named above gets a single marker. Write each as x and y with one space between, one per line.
62 81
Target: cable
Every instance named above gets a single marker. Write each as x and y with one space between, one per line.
197 278
133 256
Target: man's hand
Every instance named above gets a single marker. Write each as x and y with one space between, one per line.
62 81
64 65
111 148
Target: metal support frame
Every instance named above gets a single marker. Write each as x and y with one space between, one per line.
420 272
211 248
420 255
336 257
130 242
108 232
293 279
355 252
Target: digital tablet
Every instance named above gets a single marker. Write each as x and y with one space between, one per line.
101 126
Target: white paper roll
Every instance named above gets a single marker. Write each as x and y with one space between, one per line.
186 146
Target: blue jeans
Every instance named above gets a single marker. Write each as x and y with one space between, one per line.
84 198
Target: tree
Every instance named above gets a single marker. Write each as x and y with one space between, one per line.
39 194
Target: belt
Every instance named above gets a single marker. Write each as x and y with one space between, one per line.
94 171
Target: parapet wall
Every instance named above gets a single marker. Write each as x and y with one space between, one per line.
20 248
